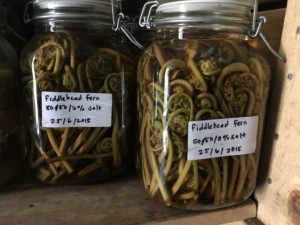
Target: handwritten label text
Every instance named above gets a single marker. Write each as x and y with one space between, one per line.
64 109
222 137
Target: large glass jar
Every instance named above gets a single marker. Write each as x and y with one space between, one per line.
11 146
202 97
77 81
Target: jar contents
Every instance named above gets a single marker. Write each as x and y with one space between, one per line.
67 62
192 80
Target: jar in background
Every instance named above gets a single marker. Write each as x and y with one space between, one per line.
203 92
77 81
11 145
13 30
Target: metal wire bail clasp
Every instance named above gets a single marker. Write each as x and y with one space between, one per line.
144 20
26 16
256 26
118 24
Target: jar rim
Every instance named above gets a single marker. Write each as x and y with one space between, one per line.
234 13
55 4
96 11
195 5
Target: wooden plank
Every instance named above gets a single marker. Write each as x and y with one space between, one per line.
116 202
279 195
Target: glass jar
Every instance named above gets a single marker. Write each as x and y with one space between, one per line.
77 81
203 92
11 145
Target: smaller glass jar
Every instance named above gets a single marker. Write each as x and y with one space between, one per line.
202 100
11 145
78 80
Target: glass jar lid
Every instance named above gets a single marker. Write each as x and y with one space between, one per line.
91 11
213 14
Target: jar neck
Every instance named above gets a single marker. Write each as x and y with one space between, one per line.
166 33
77 26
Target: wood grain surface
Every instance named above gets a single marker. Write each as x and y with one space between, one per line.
278 194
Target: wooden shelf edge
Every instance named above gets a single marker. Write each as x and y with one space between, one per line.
122 201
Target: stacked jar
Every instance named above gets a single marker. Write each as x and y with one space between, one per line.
203 92
11 144
77 81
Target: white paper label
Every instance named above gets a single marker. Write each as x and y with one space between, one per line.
222 137
65 109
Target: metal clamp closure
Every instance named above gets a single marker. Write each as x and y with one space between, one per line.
255 30
26 16
145 20
118 24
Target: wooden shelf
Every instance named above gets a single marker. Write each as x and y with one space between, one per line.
121 201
